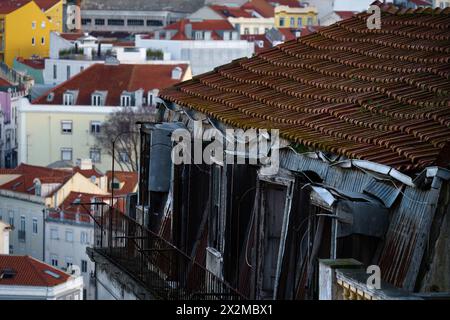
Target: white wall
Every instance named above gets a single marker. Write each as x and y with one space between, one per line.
4 238
203 55
34 242
61 69
134 55
75 250
57 44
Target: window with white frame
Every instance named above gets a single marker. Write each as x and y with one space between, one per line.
123 156
33 25
310 21
281 22
68 72
66 154
33 41
299 22
96 100
84 237
95 127
55 71
95 155
69 235
125 100
54 234
35 226
292 22
42 40
66 127
68 99
198 35
43 24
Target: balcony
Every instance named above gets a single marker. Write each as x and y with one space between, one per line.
163 270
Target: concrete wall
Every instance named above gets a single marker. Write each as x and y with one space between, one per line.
203 55
74 252
108 289
16 208
76 66
4 237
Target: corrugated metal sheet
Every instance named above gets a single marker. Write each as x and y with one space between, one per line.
384 191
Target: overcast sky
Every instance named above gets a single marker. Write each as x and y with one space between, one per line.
352 5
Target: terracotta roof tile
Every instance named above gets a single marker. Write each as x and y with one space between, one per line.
30 272
233 12
114 79
38 64
129 180
69 209
379 95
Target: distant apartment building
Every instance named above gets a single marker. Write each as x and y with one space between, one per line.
25 27
9 103
33 68
245 21
336 16
62 124
26 192
69 229
441 4
205 44
25 278
135 16
295 17
413 4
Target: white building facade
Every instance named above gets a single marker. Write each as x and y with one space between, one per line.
203 55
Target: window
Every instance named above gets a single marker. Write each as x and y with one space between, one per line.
96 100
83 266
95 127
135 22
256 30
54 260
66 127
68 99
42 40
299 22
246 31
66 154
22 223
68 72
11 218
95 155
35 226
198 35
116 22
99 22
310 21
43 24
69 235
33 25
84 237
86 22
123 156
33 41
54 234
125 101
55 71
281 22
292 22
154 23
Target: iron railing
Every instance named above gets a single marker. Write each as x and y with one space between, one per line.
167 272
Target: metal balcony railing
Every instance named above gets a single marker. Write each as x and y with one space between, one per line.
167 272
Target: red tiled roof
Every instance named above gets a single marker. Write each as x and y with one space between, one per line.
288 33
227 12
46 4
38 64
256 39
88 173
71 36
8 6
130 180
381 95
345 14
30 272
5 83
205 25
25 182
114 79
266 8
70 209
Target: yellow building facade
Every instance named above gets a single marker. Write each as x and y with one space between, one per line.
288 17
25 31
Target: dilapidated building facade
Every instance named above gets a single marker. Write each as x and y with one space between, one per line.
364 157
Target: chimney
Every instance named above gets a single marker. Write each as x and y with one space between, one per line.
188 30
84 164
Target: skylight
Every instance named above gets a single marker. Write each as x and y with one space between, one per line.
53 274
